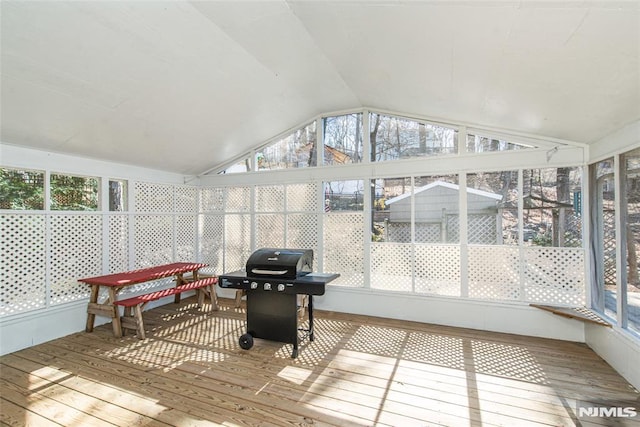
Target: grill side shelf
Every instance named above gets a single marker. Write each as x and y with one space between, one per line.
317 278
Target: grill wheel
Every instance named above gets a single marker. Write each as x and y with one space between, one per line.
246 341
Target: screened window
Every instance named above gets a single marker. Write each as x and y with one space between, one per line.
21 189
395 138
604 232
344 195
425 212
117 195
297 150
552 201
483 144
74 193
632 220
492 208
391 211
343 139
239 167
437 209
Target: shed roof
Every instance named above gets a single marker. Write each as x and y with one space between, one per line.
448 185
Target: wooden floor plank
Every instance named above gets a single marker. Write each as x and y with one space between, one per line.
360 371
83 402
148 409
18 416
46 407
195 403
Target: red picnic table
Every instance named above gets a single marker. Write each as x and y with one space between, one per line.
118 281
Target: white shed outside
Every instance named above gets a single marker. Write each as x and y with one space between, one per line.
437 215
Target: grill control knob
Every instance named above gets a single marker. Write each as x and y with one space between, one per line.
267 286
280 287
254 285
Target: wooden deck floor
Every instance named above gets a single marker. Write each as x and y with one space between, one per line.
360 371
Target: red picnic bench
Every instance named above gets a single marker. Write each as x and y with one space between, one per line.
132 318
133 306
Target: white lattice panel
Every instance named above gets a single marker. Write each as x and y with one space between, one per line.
343 240
212 242
428 232
237 238
302 231
399 232
270 231
453 229
186 199
153 240
482 229
186 233
22 263
270 198
302 197
118 243
151 197
437 269
212 199
554 275
238 199
76 252
494 272
391 266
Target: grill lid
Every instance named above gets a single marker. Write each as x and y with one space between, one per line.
280 263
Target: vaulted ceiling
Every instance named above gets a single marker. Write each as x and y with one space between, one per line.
183 86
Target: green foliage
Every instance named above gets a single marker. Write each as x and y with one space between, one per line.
24 190
74 193
21 189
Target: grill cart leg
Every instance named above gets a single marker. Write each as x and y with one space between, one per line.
310 317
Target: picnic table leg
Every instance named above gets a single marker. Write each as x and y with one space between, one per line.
139 321
115 316
214 297
201 293
179 282
93 299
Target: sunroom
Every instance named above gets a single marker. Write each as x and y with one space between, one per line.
471 165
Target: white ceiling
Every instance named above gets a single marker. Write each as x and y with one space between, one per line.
184 86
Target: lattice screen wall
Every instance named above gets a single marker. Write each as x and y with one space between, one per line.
255 217
76 251
392 266
22 256
494 273
343 242
50 250
437 269
554 275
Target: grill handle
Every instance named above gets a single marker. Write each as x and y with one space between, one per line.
269 272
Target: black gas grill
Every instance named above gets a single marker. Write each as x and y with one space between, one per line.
273 280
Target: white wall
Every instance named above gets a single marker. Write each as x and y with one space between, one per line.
483 315
22 157
32 328
618 348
